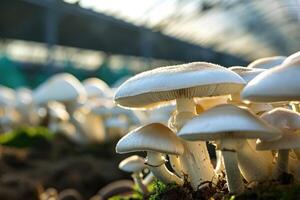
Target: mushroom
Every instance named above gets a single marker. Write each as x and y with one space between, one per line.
263 159
64 88
292 58
96 88
267 62
181 83
135 165
287 121
157 140
278 84
248 74
230 125
57 116
283 145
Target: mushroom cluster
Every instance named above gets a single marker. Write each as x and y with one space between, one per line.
250 114
83 111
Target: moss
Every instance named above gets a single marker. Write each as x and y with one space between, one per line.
24 137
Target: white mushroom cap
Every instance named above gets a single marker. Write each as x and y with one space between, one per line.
132 164
58 111
96 88
161 85
152 137
289 140
247 73
7 96
23 96
60 87
283 119
274 85
267 63
292 58
227 121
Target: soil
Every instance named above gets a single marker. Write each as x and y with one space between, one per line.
60 164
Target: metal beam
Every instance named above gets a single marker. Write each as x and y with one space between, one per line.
83 28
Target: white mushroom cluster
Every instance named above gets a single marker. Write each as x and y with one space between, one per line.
250 114
82 111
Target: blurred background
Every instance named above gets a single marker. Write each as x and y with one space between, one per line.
113 40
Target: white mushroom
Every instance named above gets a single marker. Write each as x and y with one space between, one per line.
96 88
157 140
135 165
287 121
267 62
64 88
230 125
181 83
278 84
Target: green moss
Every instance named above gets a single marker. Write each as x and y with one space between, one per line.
136 195
159 189
24 137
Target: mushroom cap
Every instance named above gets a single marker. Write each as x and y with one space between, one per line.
7 96
292 58
96 88
161 85
132 164
24 94
152 137
289 140
275 85
247 73
267 62
283 119
227 121
62 87
58 111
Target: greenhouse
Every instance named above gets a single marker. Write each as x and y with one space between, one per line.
149 100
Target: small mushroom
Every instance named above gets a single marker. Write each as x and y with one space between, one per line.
248 74
157 140
67 89
288 122
278 84
96 88
267 62
135 165
229 125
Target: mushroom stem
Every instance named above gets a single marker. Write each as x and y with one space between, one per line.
282 162
235 98
148 179
219 162
233 176
156 164
295 107
195 160
137 178
254 165
185 105
176 165
80 132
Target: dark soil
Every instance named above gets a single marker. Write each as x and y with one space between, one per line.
59 164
